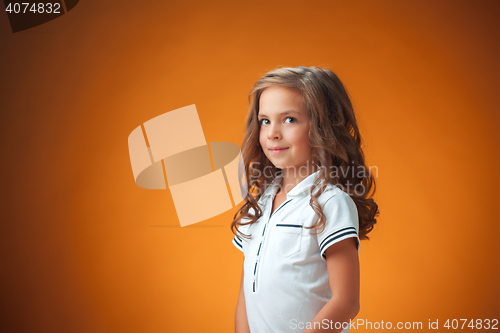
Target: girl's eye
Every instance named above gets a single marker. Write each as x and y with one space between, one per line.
263 121
292 120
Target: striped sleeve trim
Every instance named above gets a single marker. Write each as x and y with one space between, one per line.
337 236
238 242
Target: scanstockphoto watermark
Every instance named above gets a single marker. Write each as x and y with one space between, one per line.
348 173
327 324
431 324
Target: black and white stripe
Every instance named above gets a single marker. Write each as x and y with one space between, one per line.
336 235
289 225
238 242
282 205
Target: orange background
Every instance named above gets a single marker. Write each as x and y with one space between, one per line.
86 250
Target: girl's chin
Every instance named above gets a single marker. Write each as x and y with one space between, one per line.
282 167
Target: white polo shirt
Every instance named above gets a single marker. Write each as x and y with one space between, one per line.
285 274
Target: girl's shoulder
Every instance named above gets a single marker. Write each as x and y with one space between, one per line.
333 192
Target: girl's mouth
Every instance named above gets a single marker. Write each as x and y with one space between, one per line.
278 150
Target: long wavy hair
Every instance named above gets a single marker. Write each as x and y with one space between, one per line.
335 145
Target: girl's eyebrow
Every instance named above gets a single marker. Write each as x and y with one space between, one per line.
281 113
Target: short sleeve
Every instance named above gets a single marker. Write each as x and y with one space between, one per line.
341 222
238 242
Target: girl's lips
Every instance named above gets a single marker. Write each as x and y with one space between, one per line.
277 151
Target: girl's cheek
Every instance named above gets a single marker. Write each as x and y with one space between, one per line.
262 136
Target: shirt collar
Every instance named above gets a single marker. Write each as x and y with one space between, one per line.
301 188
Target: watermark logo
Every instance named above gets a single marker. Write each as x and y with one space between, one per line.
205 180
28 14
348 172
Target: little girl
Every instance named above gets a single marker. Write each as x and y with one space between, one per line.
307 207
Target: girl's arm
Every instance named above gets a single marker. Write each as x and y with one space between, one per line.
343 273
240 316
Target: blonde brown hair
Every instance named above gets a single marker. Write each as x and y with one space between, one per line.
335 143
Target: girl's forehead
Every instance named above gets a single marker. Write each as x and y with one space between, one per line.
275 100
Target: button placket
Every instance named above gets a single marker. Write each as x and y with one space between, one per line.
258 251
263 237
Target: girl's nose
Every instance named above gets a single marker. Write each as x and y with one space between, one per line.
274 133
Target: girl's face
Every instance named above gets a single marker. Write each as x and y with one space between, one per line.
284 131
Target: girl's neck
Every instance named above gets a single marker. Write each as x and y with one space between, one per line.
293 176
